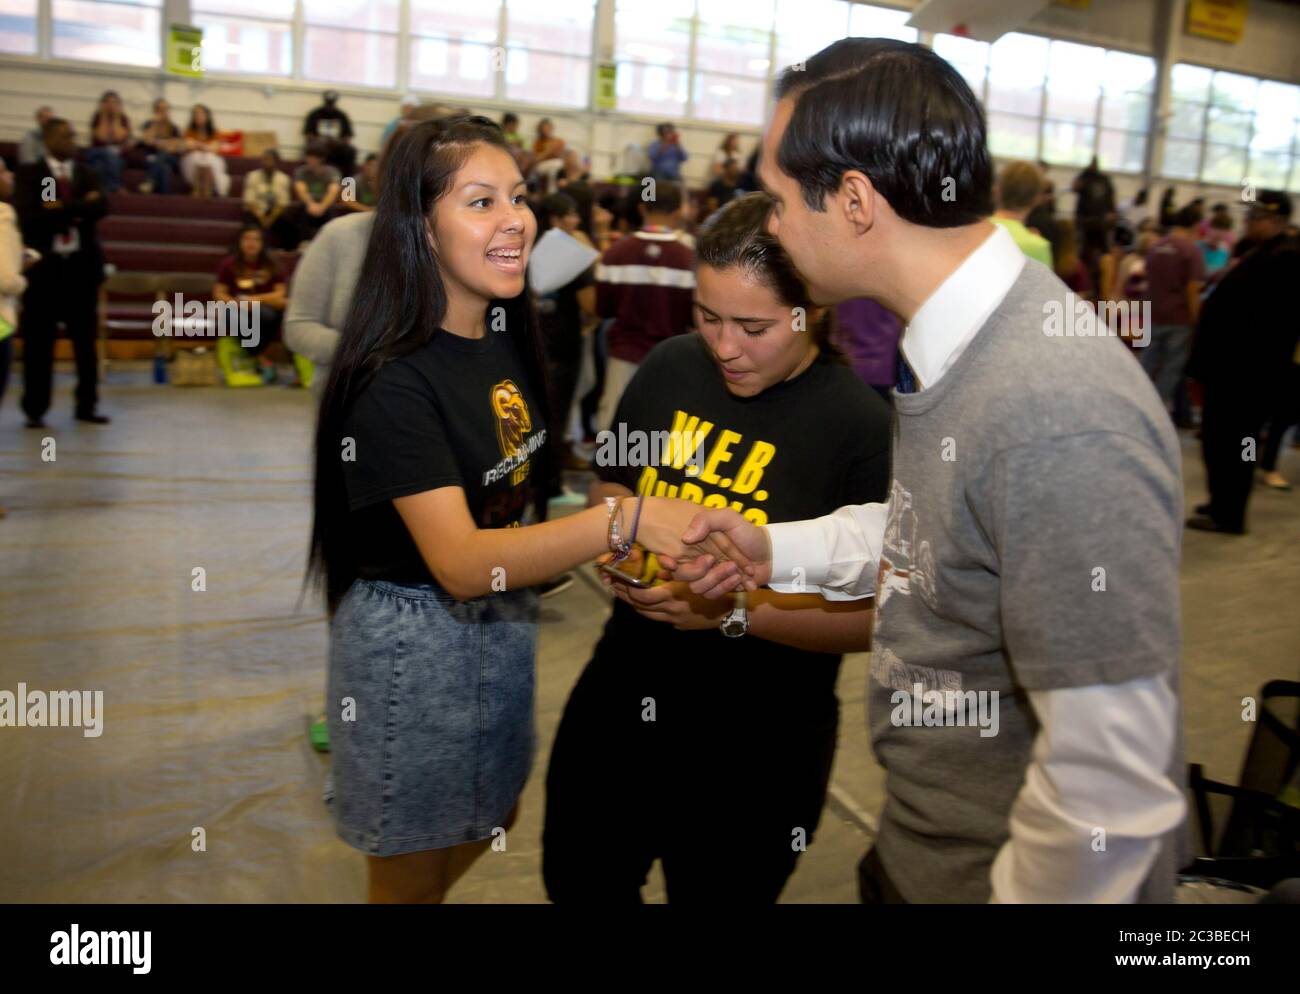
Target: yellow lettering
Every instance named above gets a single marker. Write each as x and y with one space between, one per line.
715 500
756 516
721 453
751 471
646 485
692 492
688 435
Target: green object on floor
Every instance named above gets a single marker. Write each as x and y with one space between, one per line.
320 735
306 369
236 365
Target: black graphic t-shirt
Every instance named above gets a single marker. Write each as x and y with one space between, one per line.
459 412
799 450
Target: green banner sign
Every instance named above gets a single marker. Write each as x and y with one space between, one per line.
606 77
185 50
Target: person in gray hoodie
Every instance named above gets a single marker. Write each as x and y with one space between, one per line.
321 291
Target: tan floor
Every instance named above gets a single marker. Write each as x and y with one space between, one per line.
207 694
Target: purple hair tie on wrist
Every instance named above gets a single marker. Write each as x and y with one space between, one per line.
636 518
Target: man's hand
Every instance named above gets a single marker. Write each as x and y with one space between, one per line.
732 553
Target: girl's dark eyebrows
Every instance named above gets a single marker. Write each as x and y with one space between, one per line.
737 320
489 186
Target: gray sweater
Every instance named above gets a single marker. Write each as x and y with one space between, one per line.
1033 543
321 291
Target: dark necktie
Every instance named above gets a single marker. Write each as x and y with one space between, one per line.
906 378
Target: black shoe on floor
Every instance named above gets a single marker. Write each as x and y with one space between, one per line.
94 419
1203 509
552 587
1204 523
35 422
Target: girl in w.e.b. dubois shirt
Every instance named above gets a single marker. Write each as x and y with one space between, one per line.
678 743
430 442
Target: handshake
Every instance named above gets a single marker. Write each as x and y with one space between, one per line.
714 551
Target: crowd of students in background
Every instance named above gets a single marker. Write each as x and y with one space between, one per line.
1221 341
1172 257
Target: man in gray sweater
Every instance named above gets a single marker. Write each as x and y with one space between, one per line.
321 291
1024 687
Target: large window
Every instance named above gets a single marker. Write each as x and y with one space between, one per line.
451 46
524 51
805 27
249 36
653 52
713 59
351 41
122 31
1228 128
18 26
548 58
1058 101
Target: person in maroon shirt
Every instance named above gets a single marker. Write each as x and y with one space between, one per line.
646 284
249 274
1175 273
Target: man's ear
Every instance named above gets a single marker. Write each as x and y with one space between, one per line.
857 201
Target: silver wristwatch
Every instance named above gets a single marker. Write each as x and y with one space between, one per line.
736 623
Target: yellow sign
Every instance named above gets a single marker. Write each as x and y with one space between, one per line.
1075 4
185 50
606 76
1222 20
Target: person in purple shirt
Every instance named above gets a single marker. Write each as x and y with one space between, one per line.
1175 274
868 334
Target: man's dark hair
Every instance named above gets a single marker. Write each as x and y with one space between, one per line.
50 124
316 149
898 113
667 200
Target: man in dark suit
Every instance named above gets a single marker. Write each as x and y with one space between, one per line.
59 204
1245 341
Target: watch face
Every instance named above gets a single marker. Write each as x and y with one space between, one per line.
734 627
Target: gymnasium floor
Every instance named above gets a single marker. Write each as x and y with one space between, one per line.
207 695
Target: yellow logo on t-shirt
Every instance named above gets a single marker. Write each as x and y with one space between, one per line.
513 425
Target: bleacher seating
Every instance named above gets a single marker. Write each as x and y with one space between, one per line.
158 235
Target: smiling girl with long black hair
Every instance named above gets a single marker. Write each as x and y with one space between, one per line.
431 430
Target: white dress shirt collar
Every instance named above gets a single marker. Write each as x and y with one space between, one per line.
61 170
950 317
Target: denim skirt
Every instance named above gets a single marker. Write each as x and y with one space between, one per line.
430 709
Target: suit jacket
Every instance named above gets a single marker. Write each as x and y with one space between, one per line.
42 220
1248 330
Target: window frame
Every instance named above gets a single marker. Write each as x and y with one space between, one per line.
1202 142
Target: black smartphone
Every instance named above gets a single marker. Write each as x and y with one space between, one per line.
622 577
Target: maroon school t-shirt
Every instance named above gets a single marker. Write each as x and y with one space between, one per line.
1172 263
244 282
646 283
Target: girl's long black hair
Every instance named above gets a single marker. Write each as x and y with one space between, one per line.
398 306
